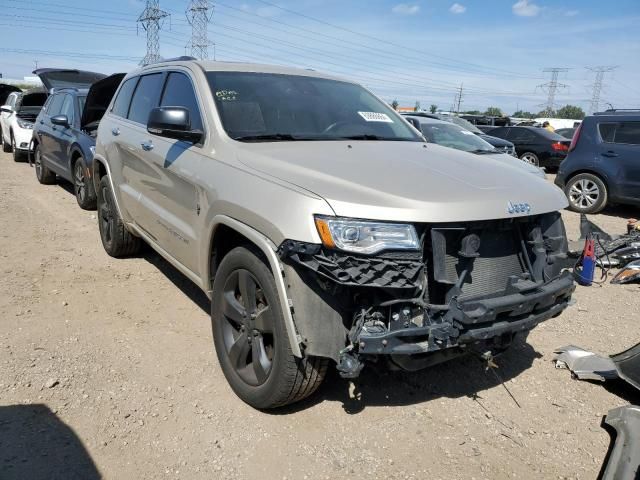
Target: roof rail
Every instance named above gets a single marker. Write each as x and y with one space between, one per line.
183 58
618 111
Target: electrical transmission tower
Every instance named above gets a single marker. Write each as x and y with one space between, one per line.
199 13
151 20
597 85
552 88
458 99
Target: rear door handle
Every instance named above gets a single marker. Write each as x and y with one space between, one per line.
147 146
609 154
115 132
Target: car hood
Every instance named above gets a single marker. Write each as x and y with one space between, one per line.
99 97
495 141
517 163
65 77
402 181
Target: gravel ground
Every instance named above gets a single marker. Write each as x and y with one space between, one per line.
107 370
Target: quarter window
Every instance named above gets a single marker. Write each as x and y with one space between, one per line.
122 101
145 97
67 108
178 92
622 132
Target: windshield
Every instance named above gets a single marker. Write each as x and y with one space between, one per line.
273 107
449 135
466 124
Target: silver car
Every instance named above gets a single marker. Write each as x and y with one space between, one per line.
322 225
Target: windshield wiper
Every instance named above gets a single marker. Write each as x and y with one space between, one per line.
367 136
280 137
484 152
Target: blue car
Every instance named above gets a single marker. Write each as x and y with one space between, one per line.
603 165
64 132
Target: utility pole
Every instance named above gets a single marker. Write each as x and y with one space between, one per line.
151 20
458 99
199 14
552 88
597 85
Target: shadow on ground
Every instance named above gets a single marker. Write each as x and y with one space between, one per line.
36 445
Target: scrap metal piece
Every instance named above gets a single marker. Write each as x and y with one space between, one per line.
628 365
623 461
585 365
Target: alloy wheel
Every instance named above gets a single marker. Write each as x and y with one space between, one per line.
248 327
529 158
79 186
106 217
584 193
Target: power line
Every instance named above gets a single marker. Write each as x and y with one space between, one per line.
552 88
150 19
199 13
594 106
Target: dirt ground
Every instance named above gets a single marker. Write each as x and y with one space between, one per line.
107 370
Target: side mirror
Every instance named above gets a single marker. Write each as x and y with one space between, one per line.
6 109
61 120
173 122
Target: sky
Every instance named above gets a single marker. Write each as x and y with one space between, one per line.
422 51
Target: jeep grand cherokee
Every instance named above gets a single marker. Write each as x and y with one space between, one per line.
322 225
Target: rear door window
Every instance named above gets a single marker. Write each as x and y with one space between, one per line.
55 106
145 97
620 132
123 100
179 92
521 135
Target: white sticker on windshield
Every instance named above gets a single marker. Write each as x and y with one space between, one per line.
375 117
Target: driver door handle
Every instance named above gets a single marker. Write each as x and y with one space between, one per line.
115 132
147 146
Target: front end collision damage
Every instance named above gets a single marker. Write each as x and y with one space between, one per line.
471 289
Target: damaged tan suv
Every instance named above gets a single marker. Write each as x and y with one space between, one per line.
322 226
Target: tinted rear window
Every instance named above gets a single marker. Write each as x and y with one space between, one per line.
121 104
145 97
620 132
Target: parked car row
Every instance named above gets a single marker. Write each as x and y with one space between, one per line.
319 221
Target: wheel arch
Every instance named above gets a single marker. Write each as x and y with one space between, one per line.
227 233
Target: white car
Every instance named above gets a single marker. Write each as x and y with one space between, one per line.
16 120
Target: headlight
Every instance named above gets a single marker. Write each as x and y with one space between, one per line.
25 124
365 237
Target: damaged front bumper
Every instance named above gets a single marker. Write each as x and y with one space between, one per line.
472 288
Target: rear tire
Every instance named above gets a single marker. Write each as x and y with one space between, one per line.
43 174
6 147
116 239
586 193
530 158
83 187
251 338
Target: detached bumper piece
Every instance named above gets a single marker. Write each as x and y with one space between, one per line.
623 460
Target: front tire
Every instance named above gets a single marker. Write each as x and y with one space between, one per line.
586 193
6 147
116 239
17 154
43 174
531 158
251 339
83 187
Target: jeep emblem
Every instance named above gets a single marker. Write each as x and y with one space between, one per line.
518 207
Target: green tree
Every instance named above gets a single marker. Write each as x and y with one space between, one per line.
521 114
433 108
570 111
493 112
394 104
417 107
